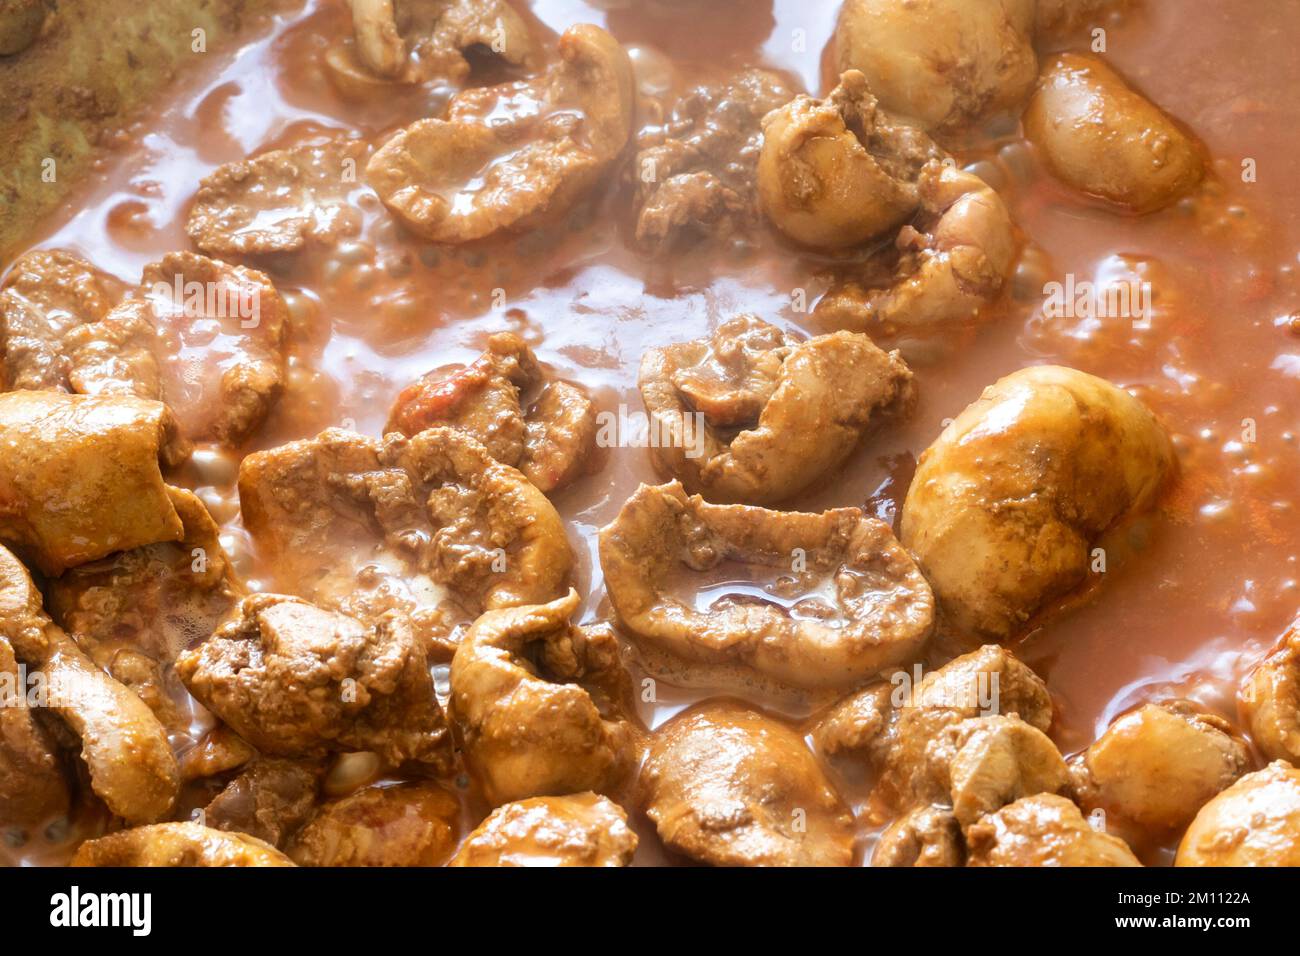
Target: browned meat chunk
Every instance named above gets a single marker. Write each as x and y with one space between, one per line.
293 679
280 201
926 836
970 736
696 169
753 415
579 830
534 729
548 442
135 611
125 749
513 156
1105 139
837 172
80 476
1270 698
411 824
1255 822
217 752
177 845
728 786
1008 501
1043 830
431 525
47 294
269 800
945 63
412 41
1158 765
882 612
33 788
945 269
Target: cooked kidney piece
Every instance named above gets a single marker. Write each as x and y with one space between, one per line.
175 845
1255 822
1043 830
408 824
579 830
754 415
728 786
1270 698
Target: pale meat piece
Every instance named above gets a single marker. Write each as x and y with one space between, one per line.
293 679
1103 138
414 41
728 786
1007 502
46 294
548 441
840 171
579 830
1255 822
124 747
218 342
882 609
944 63
219 750
925 836
1158 765
409 824
753 415
280 201
944 271
33 787
970 736
115 356
269 800
80 476
1043 830
695 170
177 845
134 611
431 525
1270 699
512 157
537 729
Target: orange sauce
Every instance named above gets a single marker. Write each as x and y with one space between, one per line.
1211 583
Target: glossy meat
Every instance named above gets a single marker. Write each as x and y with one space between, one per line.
33 788
1043 830
536 729
293 679
882 612
1105 139
1008 502
269 800
945 63
46 294
1255 822
177 844
431 525
124 747
695 170
279 201
411 824
579 830
839 171
1158 765
413 41
134 611
755 416
462 178
1270 700
945 271
549 441
730 787
81 476
925 836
